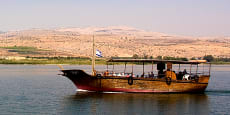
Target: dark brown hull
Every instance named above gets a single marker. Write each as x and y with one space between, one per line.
122 84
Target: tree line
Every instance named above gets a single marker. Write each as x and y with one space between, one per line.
209 58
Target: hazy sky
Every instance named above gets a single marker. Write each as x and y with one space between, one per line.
182 17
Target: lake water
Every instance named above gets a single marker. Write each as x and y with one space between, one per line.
38 89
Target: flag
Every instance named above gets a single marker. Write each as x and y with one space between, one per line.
98 53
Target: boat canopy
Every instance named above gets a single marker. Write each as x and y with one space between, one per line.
158 61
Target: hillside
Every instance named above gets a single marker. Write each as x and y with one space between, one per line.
112 41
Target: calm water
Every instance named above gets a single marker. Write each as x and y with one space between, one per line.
38 89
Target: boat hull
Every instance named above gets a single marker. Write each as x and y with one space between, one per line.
122 84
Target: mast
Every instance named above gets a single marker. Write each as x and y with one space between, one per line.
93 58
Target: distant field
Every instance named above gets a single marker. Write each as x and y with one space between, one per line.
51 61
23 49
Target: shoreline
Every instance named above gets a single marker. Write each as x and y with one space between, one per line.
51 62
67 62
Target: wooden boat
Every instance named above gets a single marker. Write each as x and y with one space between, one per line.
166 79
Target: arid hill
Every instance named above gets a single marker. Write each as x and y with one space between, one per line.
112 41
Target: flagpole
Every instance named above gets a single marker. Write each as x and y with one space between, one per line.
93 59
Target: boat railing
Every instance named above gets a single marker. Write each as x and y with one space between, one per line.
112 73
151 75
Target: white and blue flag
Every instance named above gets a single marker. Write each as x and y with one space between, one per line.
98 53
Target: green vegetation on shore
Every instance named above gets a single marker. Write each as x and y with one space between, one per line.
209 58
71 61
52 60
23 49
87 61
214 60
220 62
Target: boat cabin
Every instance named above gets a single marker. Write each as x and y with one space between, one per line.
172 69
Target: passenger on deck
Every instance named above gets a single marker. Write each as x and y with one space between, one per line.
161 74
160 68
184 72
106 73
123 74
143 75
119 74
114 74
133 75
186 77
152 75
180 75
149 75
170 74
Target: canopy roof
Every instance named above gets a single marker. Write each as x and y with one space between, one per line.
158 61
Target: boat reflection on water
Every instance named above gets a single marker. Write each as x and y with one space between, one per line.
135 103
